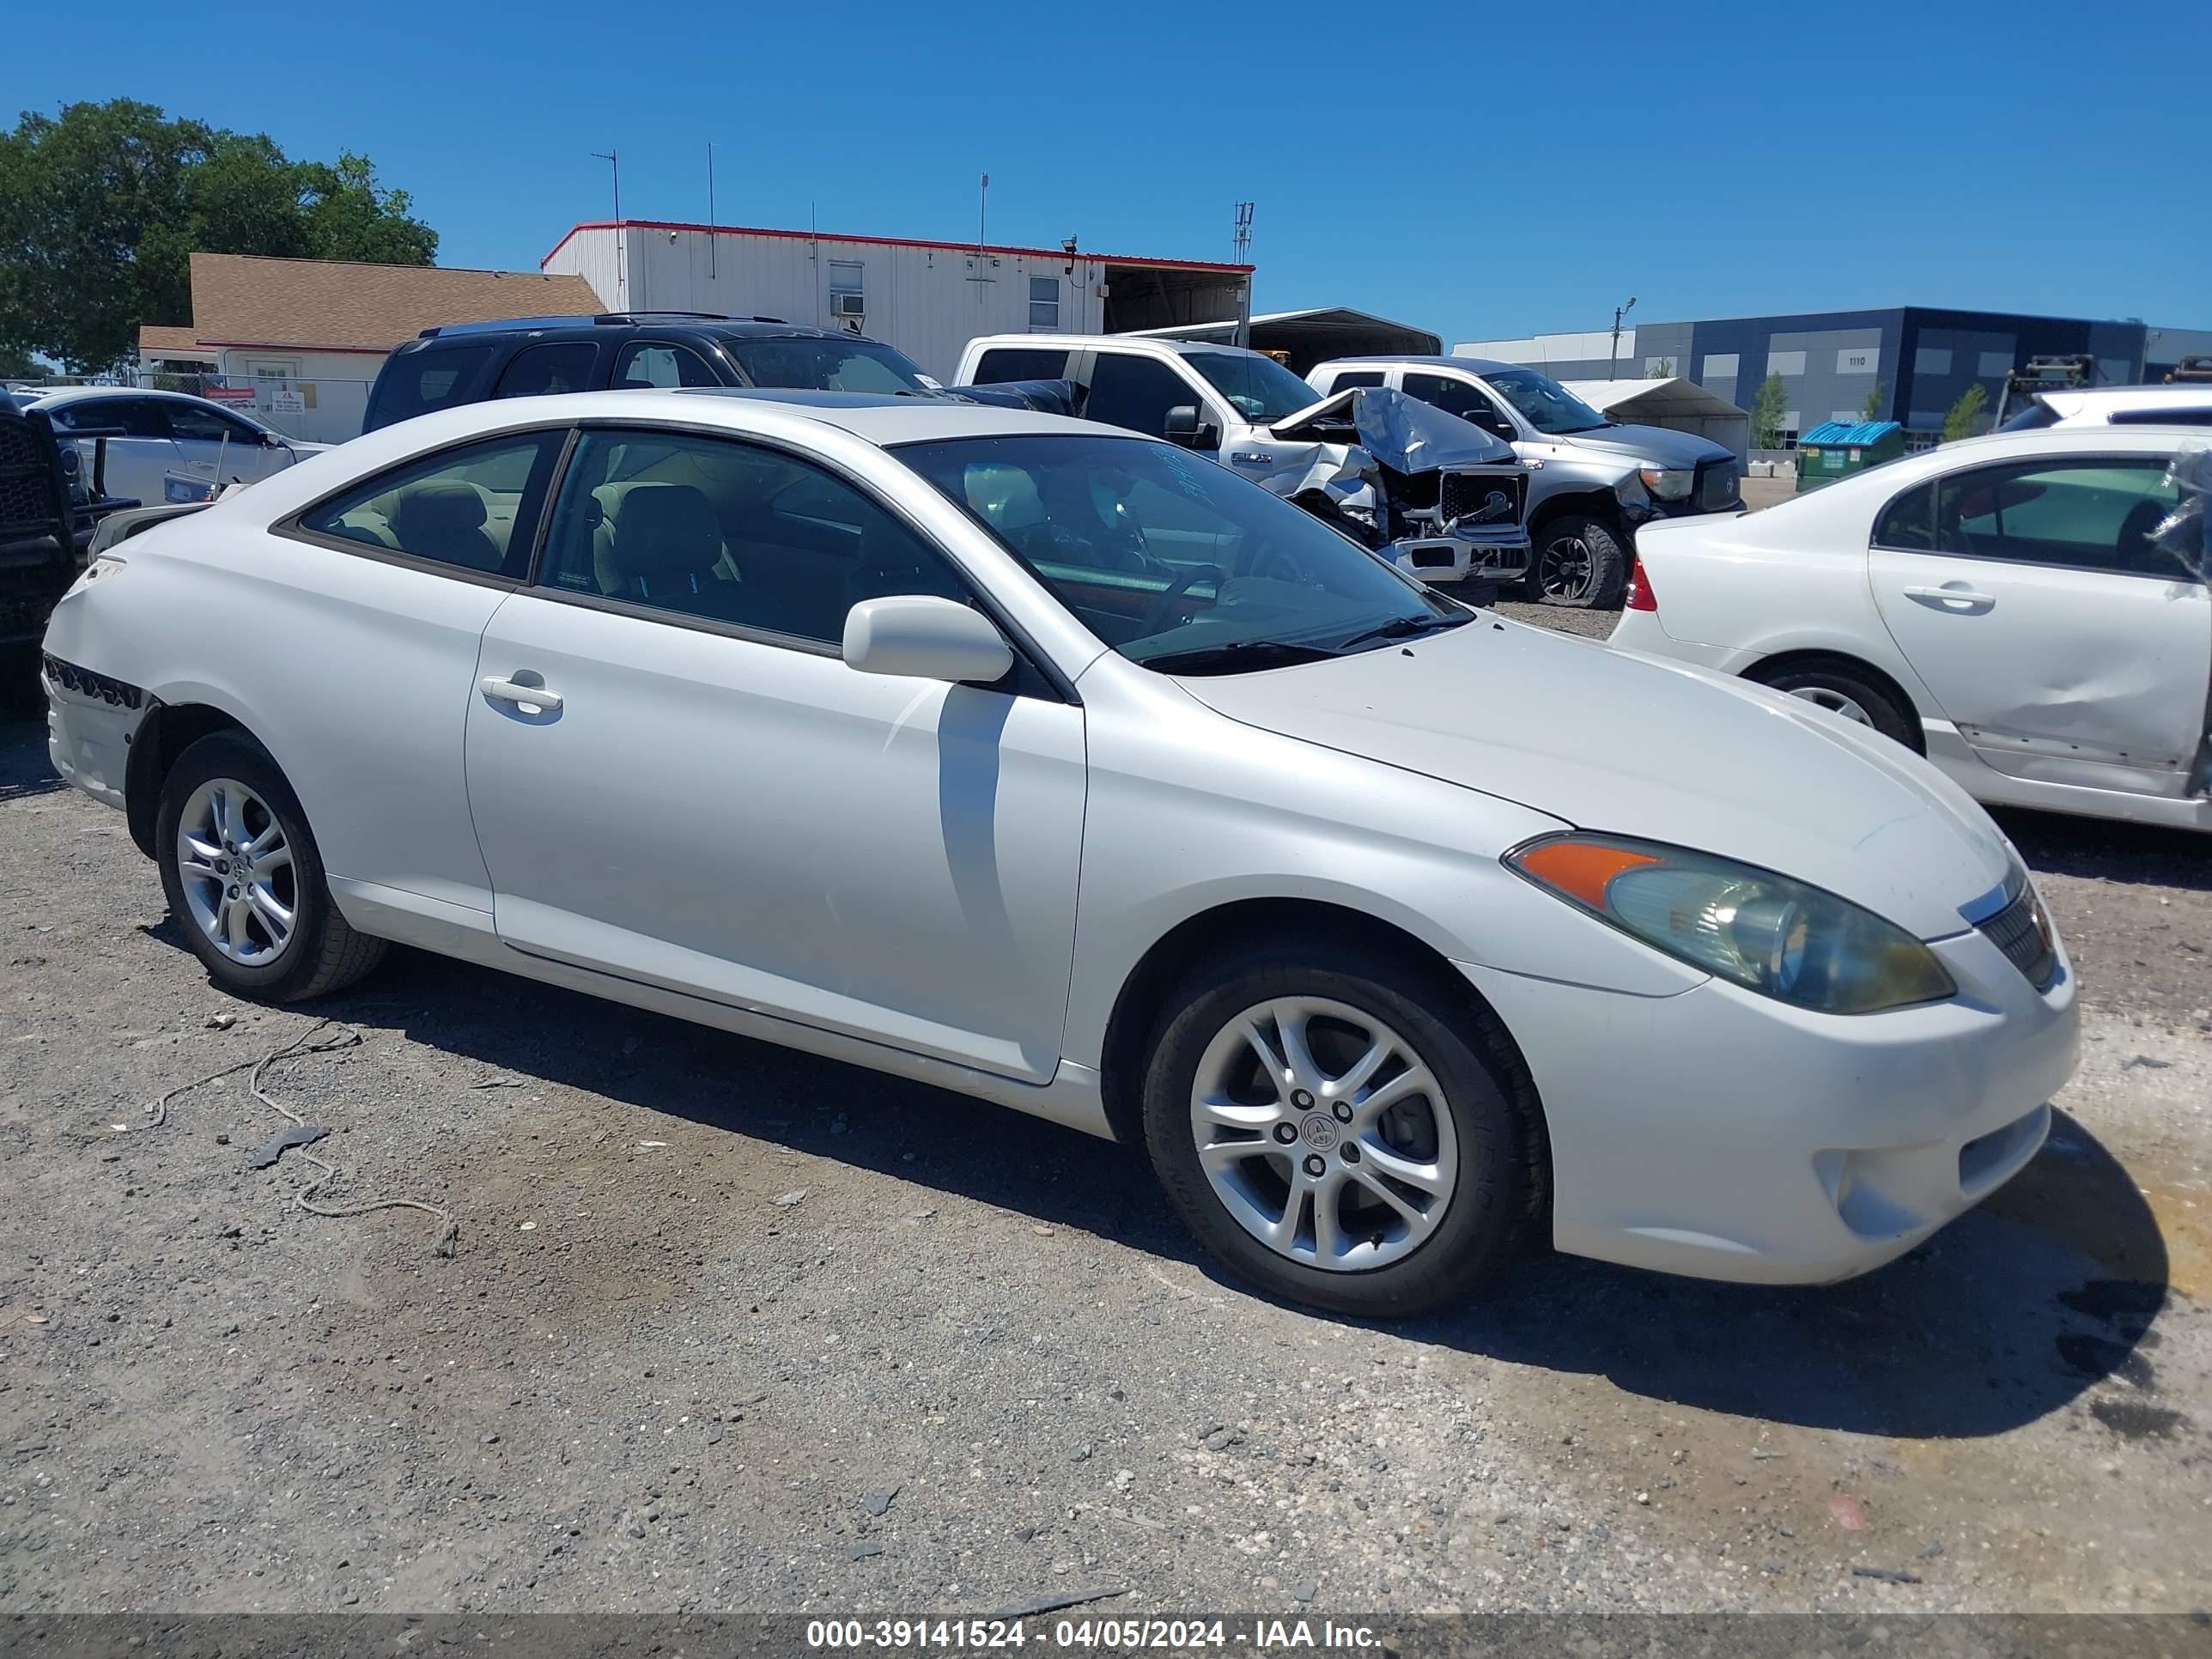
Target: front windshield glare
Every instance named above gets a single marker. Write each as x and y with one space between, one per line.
1261 388
1543 402
827 366
1174 560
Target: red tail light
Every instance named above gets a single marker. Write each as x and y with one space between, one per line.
1640 596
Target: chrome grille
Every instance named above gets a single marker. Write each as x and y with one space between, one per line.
2015 931
1467 494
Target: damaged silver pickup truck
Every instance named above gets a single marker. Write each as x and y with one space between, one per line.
1445 500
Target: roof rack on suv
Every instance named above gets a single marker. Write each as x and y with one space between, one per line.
606 319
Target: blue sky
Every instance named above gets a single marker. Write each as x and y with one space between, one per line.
1481 169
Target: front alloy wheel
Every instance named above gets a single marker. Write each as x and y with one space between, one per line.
1342 1128
235 868
1323 1133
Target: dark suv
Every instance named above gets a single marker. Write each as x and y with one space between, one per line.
472 363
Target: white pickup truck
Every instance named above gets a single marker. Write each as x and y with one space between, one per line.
1442 498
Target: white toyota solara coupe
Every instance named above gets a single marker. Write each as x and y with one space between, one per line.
1066 769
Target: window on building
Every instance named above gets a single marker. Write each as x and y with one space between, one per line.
1044 303
848 295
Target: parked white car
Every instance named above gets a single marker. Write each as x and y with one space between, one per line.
174 446
2029 609
2187 403
888 730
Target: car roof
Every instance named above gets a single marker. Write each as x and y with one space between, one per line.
880 418
75 394
1472 365
621 327
1117 341
2188 395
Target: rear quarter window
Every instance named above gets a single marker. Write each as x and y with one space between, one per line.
416 382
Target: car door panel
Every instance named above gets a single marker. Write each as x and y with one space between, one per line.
217 449
761 825
2052 670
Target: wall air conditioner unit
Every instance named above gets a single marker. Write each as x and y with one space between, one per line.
849 304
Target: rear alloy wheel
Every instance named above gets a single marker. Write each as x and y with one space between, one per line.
1323 1125
244 879
1853 695
1579 563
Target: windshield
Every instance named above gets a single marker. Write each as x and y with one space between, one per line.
1544 403
828 366
1261 388
2037 415
1173 560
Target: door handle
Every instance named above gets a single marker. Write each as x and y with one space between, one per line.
526 696
1948 595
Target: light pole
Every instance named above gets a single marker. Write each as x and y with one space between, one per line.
622 276
1612 364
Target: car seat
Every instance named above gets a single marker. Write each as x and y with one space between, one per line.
444 519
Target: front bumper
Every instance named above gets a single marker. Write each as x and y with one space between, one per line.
1726 1135
90 720
1503 557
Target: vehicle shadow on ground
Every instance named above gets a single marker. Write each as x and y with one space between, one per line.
2105 850
2010 1314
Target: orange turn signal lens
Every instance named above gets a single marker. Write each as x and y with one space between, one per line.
1579 869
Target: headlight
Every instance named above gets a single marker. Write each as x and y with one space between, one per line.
1764 932
1669 483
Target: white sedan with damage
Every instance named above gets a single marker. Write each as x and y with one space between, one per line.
1065 768
2028 611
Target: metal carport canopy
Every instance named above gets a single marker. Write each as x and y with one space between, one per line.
1316 336
1679 404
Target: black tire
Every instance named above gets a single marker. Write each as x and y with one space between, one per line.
324 953
1502 1168
1579 562
1883 708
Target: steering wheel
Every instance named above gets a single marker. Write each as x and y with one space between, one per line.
1157 613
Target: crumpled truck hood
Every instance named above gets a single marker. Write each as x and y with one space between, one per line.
1612 741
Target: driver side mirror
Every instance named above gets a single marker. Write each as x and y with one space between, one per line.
1184 427
924 637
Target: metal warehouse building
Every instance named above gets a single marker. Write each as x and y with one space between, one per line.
1914 363
928 298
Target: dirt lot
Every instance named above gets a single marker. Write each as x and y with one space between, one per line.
728 1327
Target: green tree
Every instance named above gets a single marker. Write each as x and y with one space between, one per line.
16 365
1767 410
1871 409
102 207
1964 418
1663 369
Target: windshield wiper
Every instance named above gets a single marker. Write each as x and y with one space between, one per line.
1236 657
1402 627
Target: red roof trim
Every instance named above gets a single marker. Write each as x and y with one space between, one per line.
893 241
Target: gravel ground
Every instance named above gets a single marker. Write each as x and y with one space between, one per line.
727 1327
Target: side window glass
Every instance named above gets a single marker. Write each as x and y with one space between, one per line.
135 417
1136 392
542 370
1349 377
414 383
1003 363
730 534
474 509
1908 523
1453 397
193 424
2088 513
646 363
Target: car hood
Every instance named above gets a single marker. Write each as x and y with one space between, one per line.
1650 446
1608 740
1402 432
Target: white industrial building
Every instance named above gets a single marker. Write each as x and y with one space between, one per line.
928 298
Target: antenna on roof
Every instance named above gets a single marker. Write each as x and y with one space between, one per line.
1242 242
982 204
710 210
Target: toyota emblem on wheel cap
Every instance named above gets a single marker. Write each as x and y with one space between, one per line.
1319 1129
